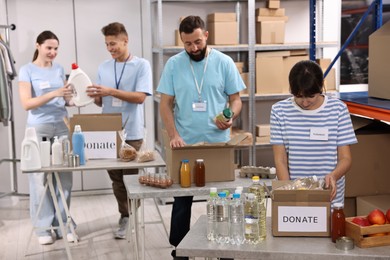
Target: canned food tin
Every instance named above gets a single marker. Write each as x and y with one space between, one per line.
73 160
344 243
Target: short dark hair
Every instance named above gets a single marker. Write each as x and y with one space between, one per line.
191 23
306 79
42 37
114 29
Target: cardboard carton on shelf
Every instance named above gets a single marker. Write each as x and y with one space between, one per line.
300 212
218 158
178 41
288 63
273 4
270 12
270 32
222 28
101 134
269 72
379 55
245 78
370 157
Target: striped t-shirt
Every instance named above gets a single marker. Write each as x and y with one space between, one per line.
311 137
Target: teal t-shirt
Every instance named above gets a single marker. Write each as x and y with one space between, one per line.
220 79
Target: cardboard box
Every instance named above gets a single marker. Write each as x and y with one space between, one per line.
240 66
222 17
269 72
222 33
263 130
330 80
273 4
271 18
270 12
366 204
245 78
270 32
369 173
300 212
100 132
218 159
379 56
288 63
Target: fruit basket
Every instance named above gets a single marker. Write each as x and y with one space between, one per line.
368 236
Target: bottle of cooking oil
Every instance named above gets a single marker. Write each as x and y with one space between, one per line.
259 191
251 219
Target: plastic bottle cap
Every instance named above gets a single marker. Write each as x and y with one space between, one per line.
185 161
255 178
251 196
75 66
199 160
338 205
236 196
222 194
213 189
240 188
77 128
228 113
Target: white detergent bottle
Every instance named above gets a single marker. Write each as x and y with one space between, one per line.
56 150
30 155
79 81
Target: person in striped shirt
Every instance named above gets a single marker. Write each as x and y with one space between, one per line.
311 133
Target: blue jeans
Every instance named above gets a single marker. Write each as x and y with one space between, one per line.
47 215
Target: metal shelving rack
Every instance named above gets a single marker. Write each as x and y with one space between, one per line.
314 46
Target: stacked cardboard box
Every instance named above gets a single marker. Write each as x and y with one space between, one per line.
178 41
369 170
273 68
378 69
270 23
222 28
330 80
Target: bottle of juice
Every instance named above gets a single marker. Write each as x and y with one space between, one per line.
199 173
185 174
338 222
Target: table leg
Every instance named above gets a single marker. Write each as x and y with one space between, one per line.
56 206
68 216
36 217
134 213
143 228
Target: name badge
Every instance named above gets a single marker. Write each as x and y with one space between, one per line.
317 133
44 85
116 102
199 106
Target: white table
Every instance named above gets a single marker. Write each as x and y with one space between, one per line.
137 191
195 244
96 164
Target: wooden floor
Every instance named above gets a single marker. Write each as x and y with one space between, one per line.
97 219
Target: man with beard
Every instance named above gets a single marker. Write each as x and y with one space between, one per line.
196 85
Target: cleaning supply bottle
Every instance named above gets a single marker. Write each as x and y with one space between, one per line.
78 142
30 156
56 150
44 147
79 80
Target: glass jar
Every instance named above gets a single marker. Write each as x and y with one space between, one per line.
338 222
199 173
185 174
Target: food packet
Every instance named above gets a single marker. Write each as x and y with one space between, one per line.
127 152
145 154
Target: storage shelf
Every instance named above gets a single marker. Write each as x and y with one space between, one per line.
245 47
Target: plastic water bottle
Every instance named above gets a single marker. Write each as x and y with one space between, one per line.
236 217
78 142
251 219
259 191
56 152
222 221
211 214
